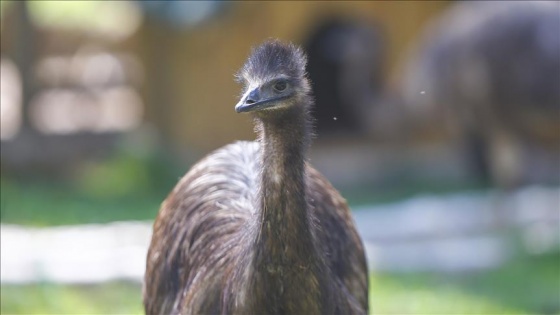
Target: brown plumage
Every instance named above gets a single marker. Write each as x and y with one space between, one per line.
253 228
493 69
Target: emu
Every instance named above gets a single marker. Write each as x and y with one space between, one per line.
494 67
253 228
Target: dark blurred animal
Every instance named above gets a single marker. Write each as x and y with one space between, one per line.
494 66
346 68
253 228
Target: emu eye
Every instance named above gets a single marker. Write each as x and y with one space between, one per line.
280 86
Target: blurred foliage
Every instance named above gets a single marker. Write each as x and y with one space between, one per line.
4 4
406 189
525 286
44 204
130 185
84 15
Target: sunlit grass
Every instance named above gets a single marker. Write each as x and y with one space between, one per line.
110 298
126 188
388 296
391 296
525 286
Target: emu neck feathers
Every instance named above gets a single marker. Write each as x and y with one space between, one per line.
285 261
284 221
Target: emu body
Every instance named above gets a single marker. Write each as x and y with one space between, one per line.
253 228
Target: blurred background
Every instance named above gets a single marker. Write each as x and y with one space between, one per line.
439 121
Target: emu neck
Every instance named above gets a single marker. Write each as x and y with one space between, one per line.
284 145
284 221
286 266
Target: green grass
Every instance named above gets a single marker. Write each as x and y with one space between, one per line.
110 298
105 195
123 187
132 183
132 188
525 286
399 295
40 204
375 194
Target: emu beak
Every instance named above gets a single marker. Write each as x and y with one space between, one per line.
251 101
254 100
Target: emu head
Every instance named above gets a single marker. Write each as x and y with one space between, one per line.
274 79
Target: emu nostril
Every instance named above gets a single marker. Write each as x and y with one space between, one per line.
253 97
